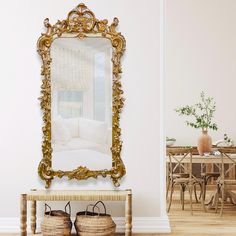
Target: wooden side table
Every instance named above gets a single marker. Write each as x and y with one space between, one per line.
71 195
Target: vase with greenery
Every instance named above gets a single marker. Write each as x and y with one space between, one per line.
202 115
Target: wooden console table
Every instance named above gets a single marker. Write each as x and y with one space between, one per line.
71 195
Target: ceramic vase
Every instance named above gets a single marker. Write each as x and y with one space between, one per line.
204 143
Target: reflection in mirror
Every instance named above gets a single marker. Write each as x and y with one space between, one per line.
81 84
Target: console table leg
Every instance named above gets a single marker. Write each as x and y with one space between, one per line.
23 214
33 217
128 215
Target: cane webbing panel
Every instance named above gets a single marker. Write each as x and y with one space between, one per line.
78 195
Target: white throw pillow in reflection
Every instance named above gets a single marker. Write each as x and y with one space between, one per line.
60 133
72 124
93 130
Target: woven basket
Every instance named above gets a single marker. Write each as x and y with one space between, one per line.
56 223
94 224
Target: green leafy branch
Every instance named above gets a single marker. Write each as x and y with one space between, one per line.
202 111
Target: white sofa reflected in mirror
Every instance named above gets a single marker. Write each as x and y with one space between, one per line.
80 141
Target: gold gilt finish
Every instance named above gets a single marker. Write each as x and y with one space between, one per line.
81 23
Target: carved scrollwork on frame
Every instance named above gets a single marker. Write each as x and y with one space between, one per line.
82 23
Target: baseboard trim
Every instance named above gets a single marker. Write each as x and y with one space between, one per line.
145 224
140 224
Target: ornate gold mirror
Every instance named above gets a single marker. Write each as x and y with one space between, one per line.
81 98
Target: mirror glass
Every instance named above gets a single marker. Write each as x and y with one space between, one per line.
81 88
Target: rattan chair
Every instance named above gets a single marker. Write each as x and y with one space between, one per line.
224 182
181 174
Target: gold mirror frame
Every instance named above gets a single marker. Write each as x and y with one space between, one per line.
81 23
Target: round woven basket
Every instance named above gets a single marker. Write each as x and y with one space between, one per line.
97 224
57 222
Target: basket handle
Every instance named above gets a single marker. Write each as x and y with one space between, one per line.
93 209
45 209
105 210
68 205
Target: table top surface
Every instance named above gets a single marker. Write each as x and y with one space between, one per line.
78 195
202 159
196 158
194 149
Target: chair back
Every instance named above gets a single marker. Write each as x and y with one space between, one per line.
227 159
180 160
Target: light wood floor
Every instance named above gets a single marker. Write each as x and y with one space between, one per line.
200 224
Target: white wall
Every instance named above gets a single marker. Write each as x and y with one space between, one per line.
20 126
201 56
